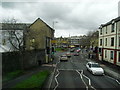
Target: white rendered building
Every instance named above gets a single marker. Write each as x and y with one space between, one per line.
109 41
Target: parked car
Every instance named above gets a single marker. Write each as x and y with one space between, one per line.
68 54
63 58
78 50
95 68
72 50
76 54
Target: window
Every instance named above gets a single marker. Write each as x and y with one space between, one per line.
112 41
119 57
105 53
101 31
106 42
106 29
119 41
100 42
100 51
113 27
3 42
111 55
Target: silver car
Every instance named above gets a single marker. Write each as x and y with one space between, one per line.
63 58
94 68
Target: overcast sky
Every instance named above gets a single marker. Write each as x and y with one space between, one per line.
74 17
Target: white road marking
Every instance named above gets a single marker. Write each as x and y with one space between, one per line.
88 80
82 79
113 79
117 81
68 69
53 75
56 79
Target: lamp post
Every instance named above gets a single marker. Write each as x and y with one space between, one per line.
54 24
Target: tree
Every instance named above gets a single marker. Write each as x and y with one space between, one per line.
15 33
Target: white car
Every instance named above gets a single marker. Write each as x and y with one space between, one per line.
68 54
94 68
63 58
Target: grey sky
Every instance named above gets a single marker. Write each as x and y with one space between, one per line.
74 17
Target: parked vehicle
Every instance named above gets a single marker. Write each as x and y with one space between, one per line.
95 68
72 50
63 58
78 50
76 54
68 54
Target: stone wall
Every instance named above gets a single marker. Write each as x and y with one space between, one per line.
12 61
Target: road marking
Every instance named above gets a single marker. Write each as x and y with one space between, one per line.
88 80
53 75
113 79
68 69
56 79
82 79
117 81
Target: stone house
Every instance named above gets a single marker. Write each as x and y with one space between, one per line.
39 38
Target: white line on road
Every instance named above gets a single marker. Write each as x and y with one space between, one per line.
88 80
117 81
82 79
53 75
67 69
113 79
56 79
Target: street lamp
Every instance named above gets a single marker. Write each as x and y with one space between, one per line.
54 23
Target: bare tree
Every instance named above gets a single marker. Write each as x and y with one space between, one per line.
15 33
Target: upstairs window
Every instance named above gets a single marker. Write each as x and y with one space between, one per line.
113 27
106 42
3 42
119 41
106 29
112 41
100 42
101 31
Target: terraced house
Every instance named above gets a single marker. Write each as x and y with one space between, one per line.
109 41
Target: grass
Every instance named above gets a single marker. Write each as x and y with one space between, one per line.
58 49
35 81
61 49
12 75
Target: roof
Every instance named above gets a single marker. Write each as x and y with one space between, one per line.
16 26
43 22
110 22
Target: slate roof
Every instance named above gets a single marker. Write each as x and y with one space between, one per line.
110 22
43 22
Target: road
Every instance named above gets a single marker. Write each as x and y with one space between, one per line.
73 74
